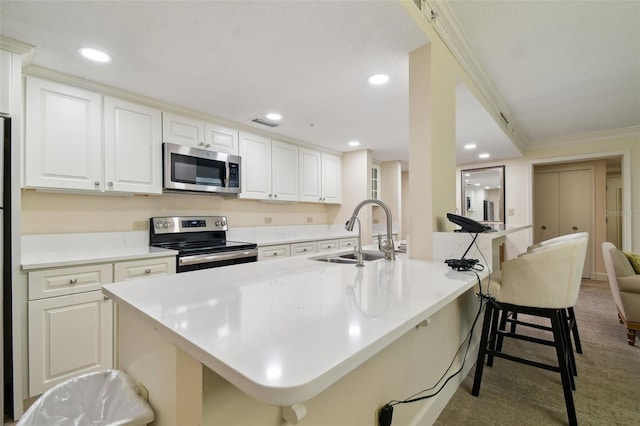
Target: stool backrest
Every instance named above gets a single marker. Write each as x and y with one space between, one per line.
546 277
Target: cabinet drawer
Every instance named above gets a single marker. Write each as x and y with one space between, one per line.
273 252
348 242
63 281
303 248
130 270
327 245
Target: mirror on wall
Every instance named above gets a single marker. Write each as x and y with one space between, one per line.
483 194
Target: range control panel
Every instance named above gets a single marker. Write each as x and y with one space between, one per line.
180 224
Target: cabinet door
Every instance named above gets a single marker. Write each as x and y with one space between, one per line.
221 139
331 178
133 269
68 336
255 171
182 130
132 147
6 79
310 175
274 252
284 171
545 206
63 136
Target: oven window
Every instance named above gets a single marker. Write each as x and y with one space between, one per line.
197 171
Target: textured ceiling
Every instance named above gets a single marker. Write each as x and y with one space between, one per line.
561 68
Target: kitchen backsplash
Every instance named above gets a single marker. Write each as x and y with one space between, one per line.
58 213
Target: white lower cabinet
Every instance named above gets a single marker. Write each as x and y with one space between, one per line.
274 252
326 245
70 321
306 247
68 335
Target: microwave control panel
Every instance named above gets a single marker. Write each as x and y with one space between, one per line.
234 175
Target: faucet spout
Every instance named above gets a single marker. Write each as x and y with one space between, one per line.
388 247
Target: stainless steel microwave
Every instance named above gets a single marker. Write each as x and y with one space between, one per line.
199 170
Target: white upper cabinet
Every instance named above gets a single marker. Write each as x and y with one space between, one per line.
189 131
6 79
269 169
64 146
132 148
221 139
284 171
63 136
320 177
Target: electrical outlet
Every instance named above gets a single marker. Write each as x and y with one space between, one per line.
267 220
511 212
309 220
140 225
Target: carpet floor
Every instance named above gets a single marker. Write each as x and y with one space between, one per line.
607 386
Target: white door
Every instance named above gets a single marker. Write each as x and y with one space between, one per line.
284 171
331 178
68 336
63 136
132 147
310 184
575 192
221 139
255 171
182 130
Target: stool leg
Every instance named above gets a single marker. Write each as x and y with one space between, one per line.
483 348
503 325
574 328
493 334
556 325
568 345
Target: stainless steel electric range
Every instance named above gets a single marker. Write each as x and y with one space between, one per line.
201 242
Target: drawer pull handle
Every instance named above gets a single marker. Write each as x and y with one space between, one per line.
105 297
73 281
147 271
275 253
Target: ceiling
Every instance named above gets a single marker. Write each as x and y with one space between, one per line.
560 68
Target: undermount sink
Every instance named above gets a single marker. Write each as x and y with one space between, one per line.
349 257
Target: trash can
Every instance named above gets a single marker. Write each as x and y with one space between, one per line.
107 397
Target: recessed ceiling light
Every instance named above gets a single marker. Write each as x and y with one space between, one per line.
470 146
487 187
476 184
274 116
378 79
354 143
95 54
485 155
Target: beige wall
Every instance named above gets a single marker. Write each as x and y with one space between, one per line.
57 213
518 180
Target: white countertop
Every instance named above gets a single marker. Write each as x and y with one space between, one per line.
284 330
55 250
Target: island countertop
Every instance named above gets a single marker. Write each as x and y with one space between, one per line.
284 330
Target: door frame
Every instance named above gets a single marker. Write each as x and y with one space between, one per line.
626 186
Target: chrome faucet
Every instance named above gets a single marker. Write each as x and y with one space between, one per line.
387 248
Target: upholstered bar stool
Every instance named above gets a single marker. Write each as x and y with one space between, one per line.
542 283
570 315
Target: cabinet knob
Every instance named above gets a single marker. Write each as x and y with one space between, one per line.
201 144
105 297
543 227
73 281
147 271
275 195
275 253
96 183
110 184
208 145
575 228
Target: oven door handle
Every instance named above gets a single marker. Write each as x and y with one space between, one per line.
217 257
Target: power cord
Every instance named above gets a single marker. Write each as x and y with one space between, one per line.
385 415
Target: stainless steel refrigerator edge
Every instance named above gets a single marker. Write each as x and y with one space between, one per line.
5 138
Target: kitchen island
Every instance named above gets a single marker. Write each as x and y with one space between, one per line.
232 345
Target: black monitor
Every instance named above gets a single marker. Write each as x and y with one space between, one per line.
466 224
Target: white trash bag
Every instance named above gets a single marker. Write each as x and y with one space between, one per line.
107 397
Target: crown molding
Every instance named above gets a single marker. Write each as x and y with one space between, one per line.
597 136
19 47
443 20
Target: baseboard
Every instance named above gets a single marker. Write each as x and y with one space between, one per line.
434 406
599 276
